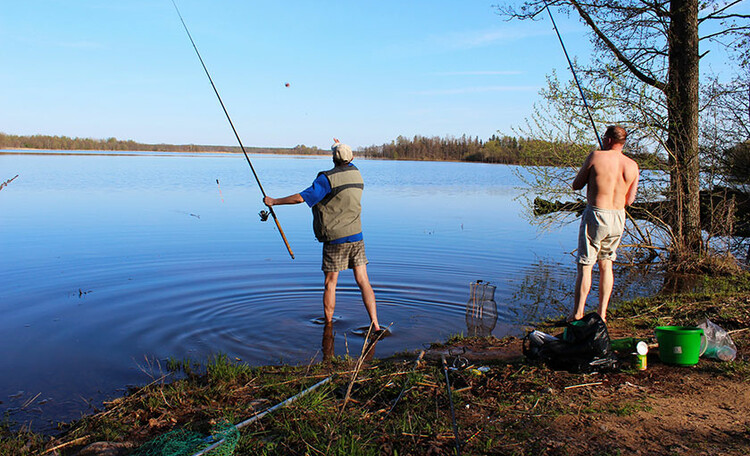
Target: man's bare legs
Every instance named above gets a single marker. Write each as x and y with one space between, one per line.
606 282
363 282
583 286
368 296
329 295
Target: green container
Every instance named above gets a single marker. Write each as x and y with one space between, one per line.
566 336
629 345
679 345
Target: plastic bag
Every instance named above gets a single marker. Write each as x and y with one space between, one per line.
584 348
718 343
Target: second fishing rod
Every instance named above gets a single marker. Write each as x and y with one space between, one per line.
247 157
575 76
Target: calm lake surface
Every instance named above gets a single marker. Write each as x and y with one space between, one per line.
112 264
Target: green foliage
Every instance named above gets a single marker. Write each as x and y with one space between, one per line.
455 338
186 365
15 443
221 369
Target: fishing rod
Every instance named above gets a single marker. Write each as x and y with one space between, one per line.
263 214
261 415
572 70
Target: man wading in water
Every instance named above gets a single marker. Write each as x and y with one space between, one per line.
335 197
612 180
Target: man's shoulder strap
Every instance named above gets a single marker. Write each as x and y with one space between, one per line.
339 169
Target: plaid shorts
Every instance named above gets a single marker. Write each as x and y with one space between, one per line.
337 257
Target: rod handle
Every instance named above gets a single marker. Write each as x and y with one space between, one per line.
283 236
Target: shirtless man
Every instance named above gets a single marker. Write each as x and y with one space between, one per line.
612 180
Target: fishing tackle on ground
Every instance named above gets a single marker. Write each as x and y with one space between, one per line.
222 441
572 70
216 91
459 363
481 309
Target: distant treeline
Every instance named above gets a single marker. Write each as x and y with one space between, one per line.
498 149
506 149
45 142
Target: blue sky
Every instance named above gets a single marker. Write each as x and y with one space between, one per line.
363 71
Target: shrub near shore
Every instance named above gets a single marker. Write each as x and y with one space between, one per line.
514 407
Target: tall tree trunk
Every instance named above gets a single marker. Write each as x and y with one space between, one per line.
683 108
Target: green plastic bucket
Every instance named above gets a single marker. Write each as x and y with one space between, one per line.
679 344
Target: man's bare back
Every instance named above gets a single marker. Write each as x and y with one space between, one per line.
612 178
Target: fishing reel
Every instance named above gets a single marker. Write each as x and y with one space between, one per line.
264 214
460 363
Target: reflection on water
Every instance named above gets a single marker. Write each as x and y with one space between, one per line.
109 260
328 345
368 345
548 287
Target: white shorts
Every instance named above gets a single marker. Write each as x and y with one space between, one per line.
600 234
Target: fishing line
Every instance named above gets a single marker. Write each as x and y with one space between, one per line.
572 70
270 209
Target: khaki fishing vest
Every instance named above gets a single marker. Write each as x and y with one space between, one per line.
338 214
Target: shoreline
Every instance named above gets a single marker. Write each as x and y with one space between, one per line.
510 406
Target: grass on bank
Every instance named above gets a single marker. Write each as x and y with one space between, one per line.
507 410
724 300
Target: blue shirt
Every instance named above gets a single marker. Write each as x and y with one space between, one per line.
315 194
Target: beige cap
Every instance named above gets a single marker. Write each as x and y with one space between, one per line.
342 152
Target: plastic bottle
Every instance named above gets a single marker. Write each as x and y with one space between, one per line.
726 353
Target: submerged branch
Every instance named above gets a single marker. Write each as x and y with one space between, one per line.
8 181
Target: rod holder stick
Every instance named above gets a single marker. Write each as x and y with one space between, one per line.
450 400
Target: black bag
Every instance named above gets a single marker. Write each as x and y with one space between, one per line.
585 348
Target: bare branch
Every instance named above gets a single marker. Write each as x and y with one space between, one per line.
724 32
717 13
611 46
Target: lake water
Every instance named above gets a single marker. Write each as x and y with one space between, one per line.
112 264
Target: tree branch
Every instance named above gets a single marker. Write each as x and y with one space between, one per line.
620 56
717 14
724 32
